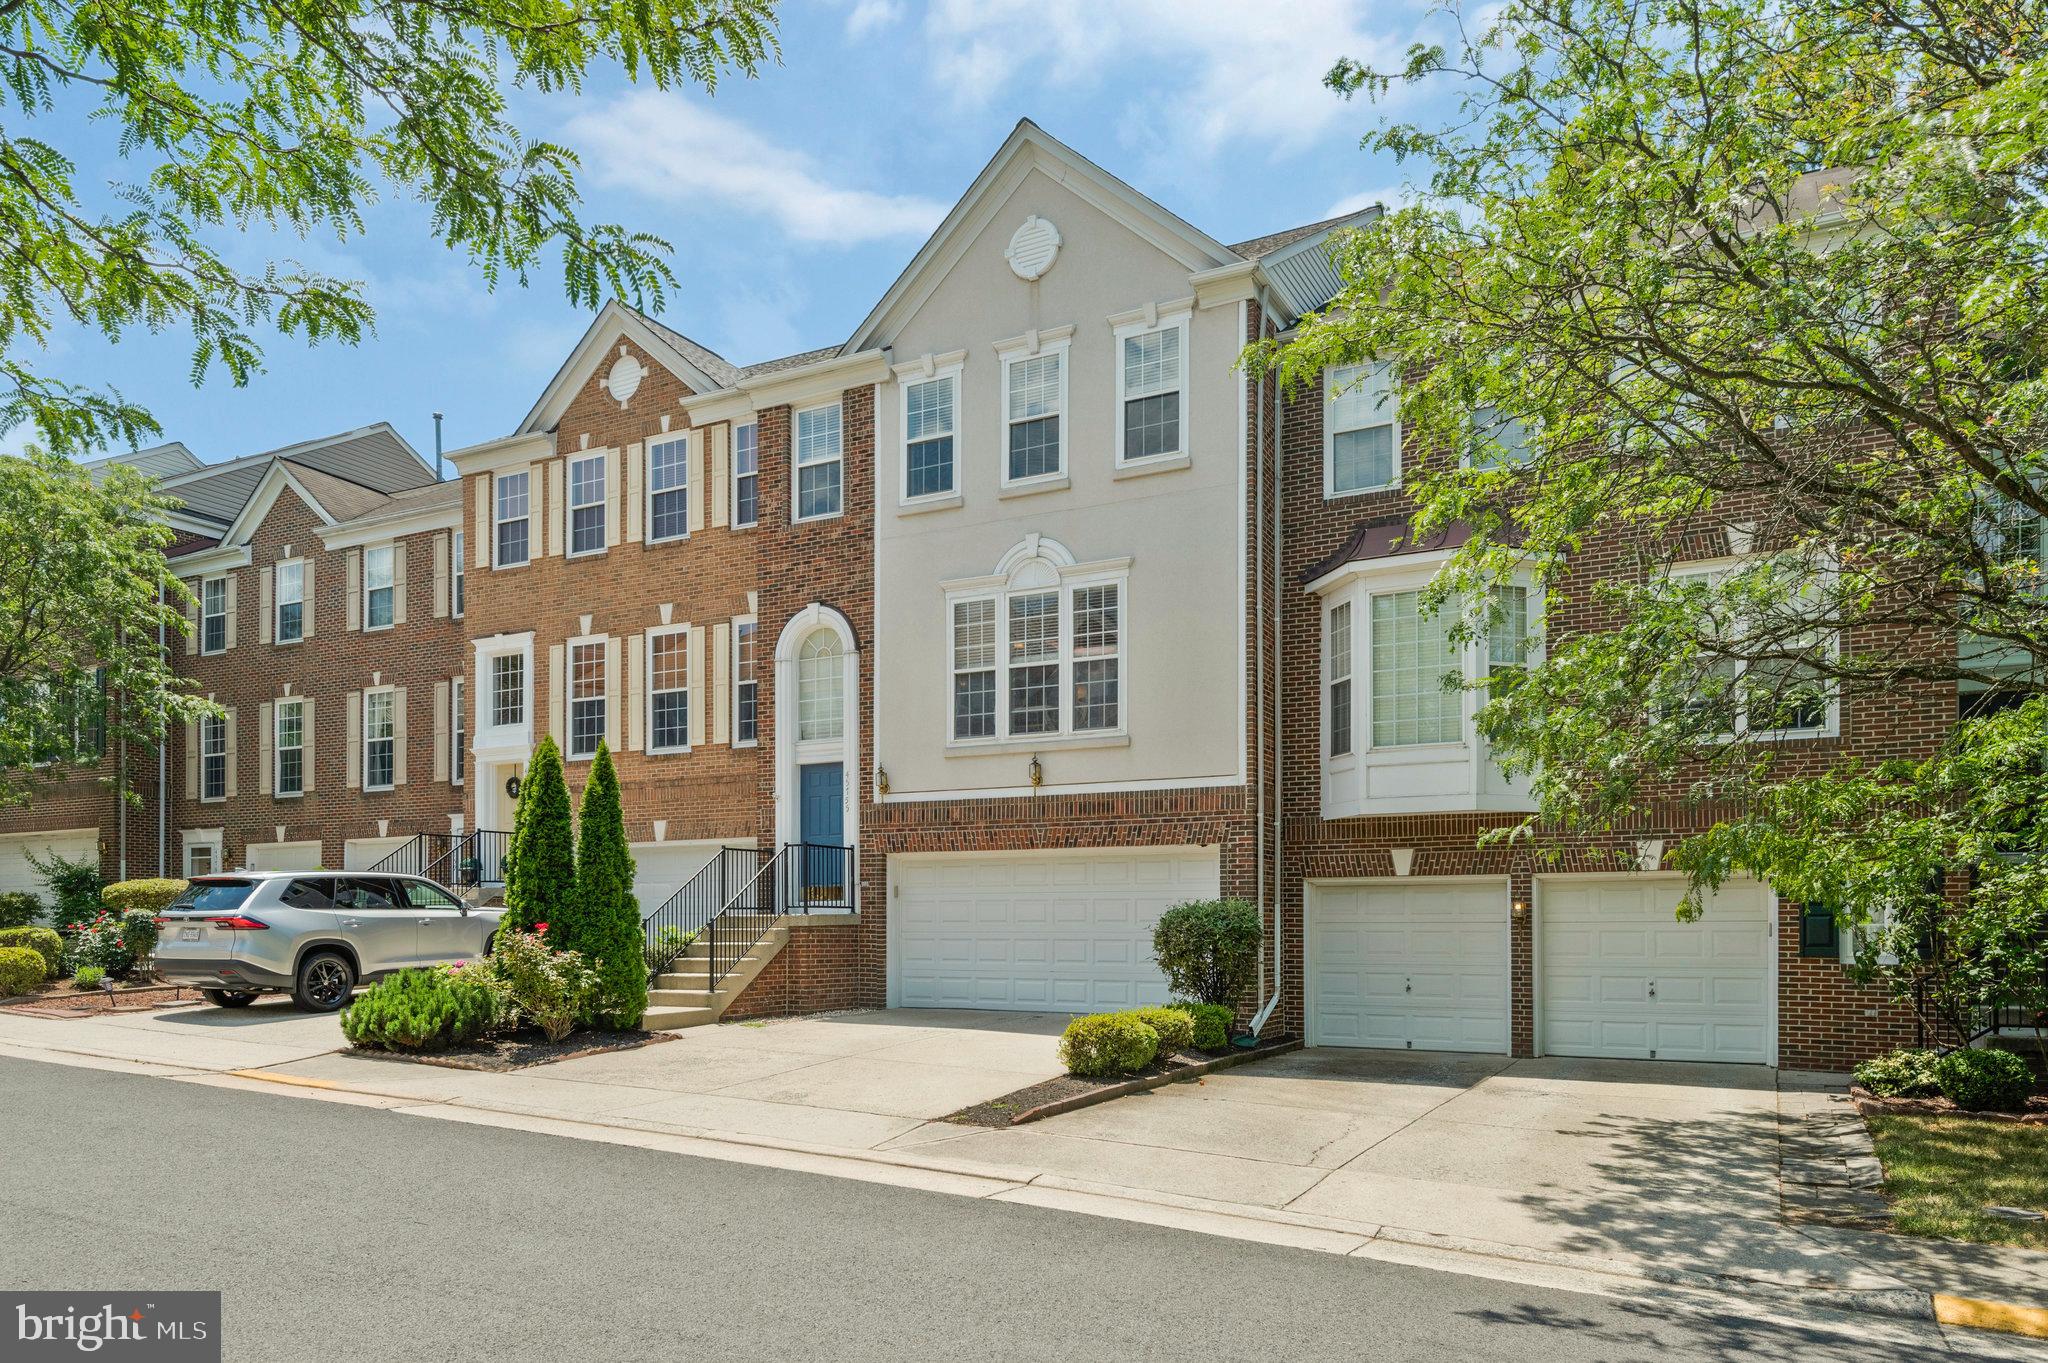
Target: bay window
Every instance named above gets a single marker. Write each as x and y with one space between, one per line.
1337 668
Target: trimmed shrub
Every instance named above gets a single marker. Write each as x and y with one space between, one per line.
1902 1073
19 909
1209 948
74 888
607 925
151 896
419 1010
88 977
21 970
1107 1043
1984 1081
114 942
43 941
1176 1030
1212 1023
535 983
540 857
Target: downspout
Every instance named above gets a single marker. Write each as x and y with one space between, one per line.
1258 423
1265 1013
162 743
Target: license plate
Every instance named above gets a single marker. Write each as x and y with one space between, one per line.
188 934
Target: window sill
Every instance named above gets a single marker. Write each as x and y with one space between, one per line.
822 516
1041 743
1158 463
1056 483
663 752
378 790
940 501
587 553
286 643
1338 494
379 629
288 795
651 541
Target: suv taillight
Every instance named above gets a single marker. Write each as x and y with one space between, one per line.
238 923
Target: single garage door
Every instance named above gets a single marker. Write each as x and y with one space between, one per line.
662 868
363 854
1621 976
284 856
1048 931
73 844
1411 967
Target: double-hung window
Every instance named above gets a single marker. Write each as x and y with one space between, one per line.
746 475
1151 382
1775 698
746 700
508 690
668 488
380 738
213 757
213 615
1507 633
1362 444
586 698
457 601
289 746
1499 440
586 504
380 586
668 690
1412 651
929 427
820 467
1337 669
1098 632
1034 662
1037 661
974 668
458 733
514 505
1034 408
291 600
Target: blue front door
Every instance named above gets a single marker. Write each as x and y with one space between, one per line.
821 811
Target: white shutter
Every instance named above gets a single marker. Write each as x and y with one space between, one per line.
484 532
697 679
354 737
611 692
441 575
192 616
191 759
721 683
354 607
614 499
307 766
441 732
636 692
719 438
693 456
311 612
264 597
398 583
234 751
265 751
558 696
636 496
537 507
232 578
398 727
558 509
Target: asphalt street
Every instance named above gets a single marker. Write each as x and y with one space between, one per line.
339 1232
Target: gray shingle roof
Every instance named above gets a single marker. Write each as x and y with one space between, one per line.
342 499
1259 247
796 361
375 458
704 357
158 461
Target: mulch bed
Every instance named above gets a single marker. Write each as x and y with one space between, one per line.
523 1050
59 1000
1069 1091
1870 1105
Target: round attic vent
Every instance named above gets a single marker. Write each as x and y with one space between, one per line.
624 379
1033 248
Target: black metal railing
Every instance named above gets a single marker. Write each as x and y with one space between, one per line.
461 861
420 851
821 880
745 920
669 930
734 901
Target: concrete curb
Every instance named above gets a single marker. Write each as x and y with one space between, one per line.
2030 1321
1153 1081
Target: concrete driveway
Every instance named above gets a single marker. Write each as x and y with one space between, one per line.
197 1037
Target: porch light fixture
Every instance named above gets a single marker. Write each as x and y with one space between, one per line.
881 780
1520 908
1037 773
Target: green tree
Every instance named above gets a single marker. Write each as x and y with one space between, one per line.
299 114
1748 280
540 859
84 594
607 922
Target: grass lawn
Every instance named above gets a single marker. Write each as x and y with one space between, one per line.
1941 1172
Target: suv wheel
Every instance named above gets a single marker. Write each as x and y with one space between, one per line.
325 981
230 998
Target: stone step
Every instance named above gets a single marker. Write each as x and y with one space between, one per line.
682 998
666 1019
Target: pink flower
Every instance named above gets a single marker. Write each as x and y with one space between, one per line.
540 929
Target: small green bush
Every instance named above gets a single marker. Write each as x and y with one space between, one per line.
88 977
1209 948
19 908
1212 1023
21 970
151 896
533 983
1107 1043
43 941
1984 1081
1903 1073
74 887
419 1010
1176 1029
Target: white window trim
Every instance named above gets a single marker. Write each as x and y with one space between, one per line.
1831 726
949 368
499 520
1030 346
795 474
204 583
458 583
734 458
489 734
1349 757
688 489
1530 427
1175 319
1069 578
755 625
278 603
211 839
569 647
277 749
365 738
458 732
227 756
680 631
1330 492
390 547
570 506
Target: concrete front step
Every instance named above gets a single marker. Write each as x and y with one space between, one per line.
678 997
673 1019
683 998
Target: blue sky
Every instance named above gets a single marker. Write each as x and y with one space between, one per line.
793 200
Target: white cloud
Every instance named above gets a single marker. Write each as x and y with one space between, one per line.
670 149
869 15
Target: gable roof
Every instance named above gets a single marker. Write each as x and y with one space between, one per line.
376 457
702 368
158 461
1296 262
1030 147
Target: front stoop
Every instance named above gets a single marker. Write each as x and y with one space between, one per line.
679 998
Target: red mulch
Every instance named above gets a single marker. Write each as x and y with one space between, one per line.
1870 1105
520 1051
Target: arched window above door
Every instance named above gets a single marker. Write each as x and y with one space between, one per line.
820 687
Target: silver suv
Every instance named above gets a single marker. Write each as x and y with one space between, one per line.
314 934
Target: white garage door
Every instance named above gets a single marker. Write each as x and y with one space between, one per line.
662 868
283 856
363 854
73 844
1622 977
1053 931
1412 967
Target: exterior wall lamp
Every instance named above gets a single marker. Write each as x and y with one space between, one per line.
1037 772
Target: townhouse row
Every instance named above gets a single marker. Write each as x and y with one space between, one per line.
1024 593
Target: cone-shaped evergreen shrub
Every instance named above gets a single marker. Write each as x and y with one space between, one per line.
607 919
540 863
